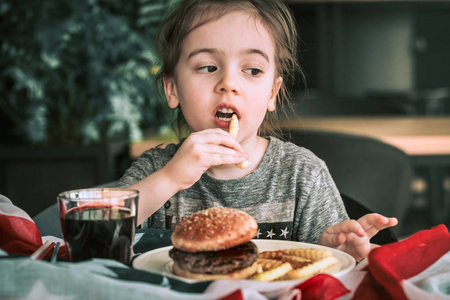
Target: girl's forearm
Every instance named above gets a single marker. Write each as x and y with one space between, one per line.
154 191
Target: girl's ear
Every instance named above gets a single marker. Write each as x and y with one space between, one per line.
170 89
271 104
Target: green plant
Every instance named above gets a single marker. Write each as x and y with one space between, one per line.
80 72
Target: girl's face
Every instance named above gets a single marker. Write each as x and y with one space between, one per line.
226 66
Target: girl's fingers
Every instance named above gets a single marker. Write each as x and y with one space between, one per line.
217 160
221 150
201 151
339 239
372 219
372 223
215 137
206 152
219 155
210 148
347 226
375 219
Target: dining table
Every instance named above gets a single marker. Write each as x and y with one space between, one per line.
25 278
423 138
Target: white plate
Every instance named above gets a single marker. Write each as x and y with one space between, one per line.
158 260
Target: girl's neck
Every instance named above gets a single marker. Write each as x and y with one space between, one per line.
255 150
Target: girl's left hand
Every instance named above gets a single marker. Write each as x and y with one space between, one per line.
353 236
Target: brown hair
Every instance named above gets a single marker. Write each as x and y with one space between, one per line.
274 15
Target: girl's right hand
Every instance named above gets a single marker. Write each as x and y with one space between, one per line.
201 151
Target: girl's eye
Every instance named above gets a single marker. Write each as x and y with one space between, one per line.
207 69
253 71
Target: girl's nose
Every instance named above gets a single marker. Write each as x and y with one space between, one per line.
227 83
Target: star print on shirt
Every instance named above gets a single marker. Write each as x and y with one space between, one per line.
270 234
258 234
284 232
275 231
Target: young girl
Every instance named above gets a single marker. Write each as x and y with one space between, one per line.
238 57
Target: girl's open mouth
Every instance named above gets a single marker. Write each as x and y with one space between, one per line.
224 114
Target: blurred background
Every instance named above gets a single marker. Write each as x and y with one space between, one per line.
76 89
77 84
381 59
375 57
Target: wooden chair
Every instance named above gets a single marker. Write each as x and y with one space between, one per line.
374 173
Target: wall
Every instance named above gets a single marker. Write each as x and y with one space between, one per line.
375 52
391 56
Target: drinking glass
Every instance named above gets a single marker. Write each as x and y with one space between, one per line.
99 223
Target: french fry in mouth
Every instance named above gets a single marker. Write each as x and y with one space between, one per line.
233 130
234 126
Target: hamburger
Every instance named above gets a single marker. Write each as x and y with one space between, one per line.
215 244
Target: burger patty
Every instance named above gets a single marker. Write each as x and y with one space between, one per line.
216 262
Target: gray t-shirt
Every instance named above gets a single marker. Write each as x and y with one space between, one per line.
291 194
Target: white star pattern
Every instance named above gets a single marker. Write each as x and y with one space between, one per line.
284 232
165 282
258 234
270 234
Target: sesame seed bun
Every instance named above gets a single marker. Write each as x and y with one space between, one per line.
214 229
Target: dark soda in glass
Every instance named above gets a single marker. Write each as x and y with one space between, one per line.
99 231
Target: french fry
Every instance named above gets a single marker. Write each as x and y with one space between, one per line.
233 129
267 264
296 261
259 269
274 273
284 277
244 165
309 253
304 263
313 268
272 254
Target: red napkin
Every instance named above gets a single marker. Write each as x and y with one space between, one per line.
18 232
322 286
391 264
319 287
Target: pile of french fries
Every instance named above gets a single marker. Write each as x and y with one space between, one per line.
293 264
